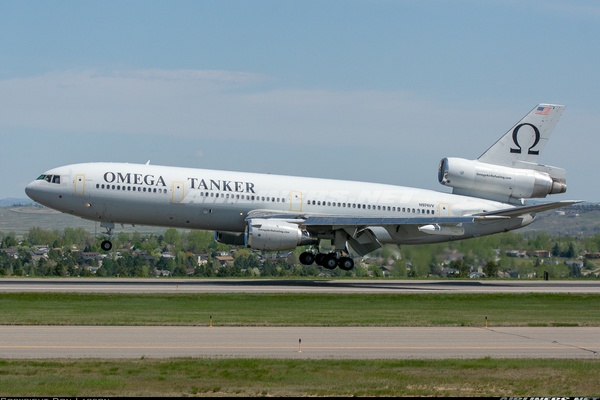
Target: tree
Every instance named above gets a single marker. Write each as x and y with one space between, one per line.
491 269
556 250
570 253
173 238
37 236
9 241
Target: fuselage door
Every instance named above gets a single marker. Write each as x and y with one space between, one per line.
296 201
178 193
79 184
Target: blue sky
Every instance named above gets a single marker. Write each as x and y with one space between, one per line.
375 90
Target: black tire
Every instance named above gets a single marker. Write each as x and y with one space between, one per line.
346 263
320 258
330 261
307 258
106 245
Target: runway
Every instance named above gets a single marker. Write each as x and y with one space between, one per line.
297 342
158 285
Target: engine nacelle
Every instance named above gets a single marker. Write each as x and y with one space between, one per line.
276 234
231 238
474 178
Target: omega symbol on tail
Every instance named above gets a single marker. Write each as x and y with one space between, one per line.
516 141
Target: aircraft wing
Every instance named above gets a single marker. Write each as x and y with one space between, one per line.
340 221
337 221
357 230
517 211
363 240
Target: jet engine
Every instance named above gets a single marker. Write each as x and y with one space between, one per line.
501 183
276 234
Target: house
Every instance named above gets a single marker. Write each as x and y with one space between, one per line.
202 259
540 254
386 270
91 255
92 269
11 252
225 260
40 251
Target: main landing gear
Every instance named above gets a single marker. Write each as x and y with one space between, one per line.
329 260
106 244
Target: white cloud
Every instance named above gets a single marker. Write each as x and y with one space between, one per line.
393 136
190 103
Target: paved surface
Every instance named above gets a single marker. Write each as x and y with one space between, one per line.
98 285
297 343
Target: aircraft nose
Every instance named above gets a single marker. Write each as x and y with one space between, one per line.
32 190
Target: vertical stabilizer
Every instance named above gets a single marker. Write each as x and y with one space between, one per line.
524 142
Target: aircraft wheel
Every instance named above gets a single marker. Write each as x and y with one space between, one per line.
320 258
106 245
330 261
307 258
346 263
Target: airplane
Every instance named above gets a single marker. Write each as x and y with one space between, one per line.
275 212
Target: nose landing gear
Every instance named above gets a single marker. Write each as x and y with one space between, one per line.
106 244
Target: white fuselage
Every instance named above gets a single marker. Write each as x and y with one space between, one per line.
221 200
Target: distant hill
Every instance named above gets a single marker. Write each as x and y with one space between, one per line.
12 201
19 219
577 220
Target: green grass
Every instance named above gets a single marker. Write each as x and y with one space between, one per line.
265 377
301 309
272 377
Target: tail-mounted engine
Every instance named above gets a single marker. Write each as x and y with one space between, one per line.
500 183
276 234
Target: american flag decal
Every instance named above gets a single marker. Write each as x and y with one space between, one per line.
542 110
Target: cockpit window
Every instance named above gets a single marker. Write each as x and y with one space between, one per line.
49 178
